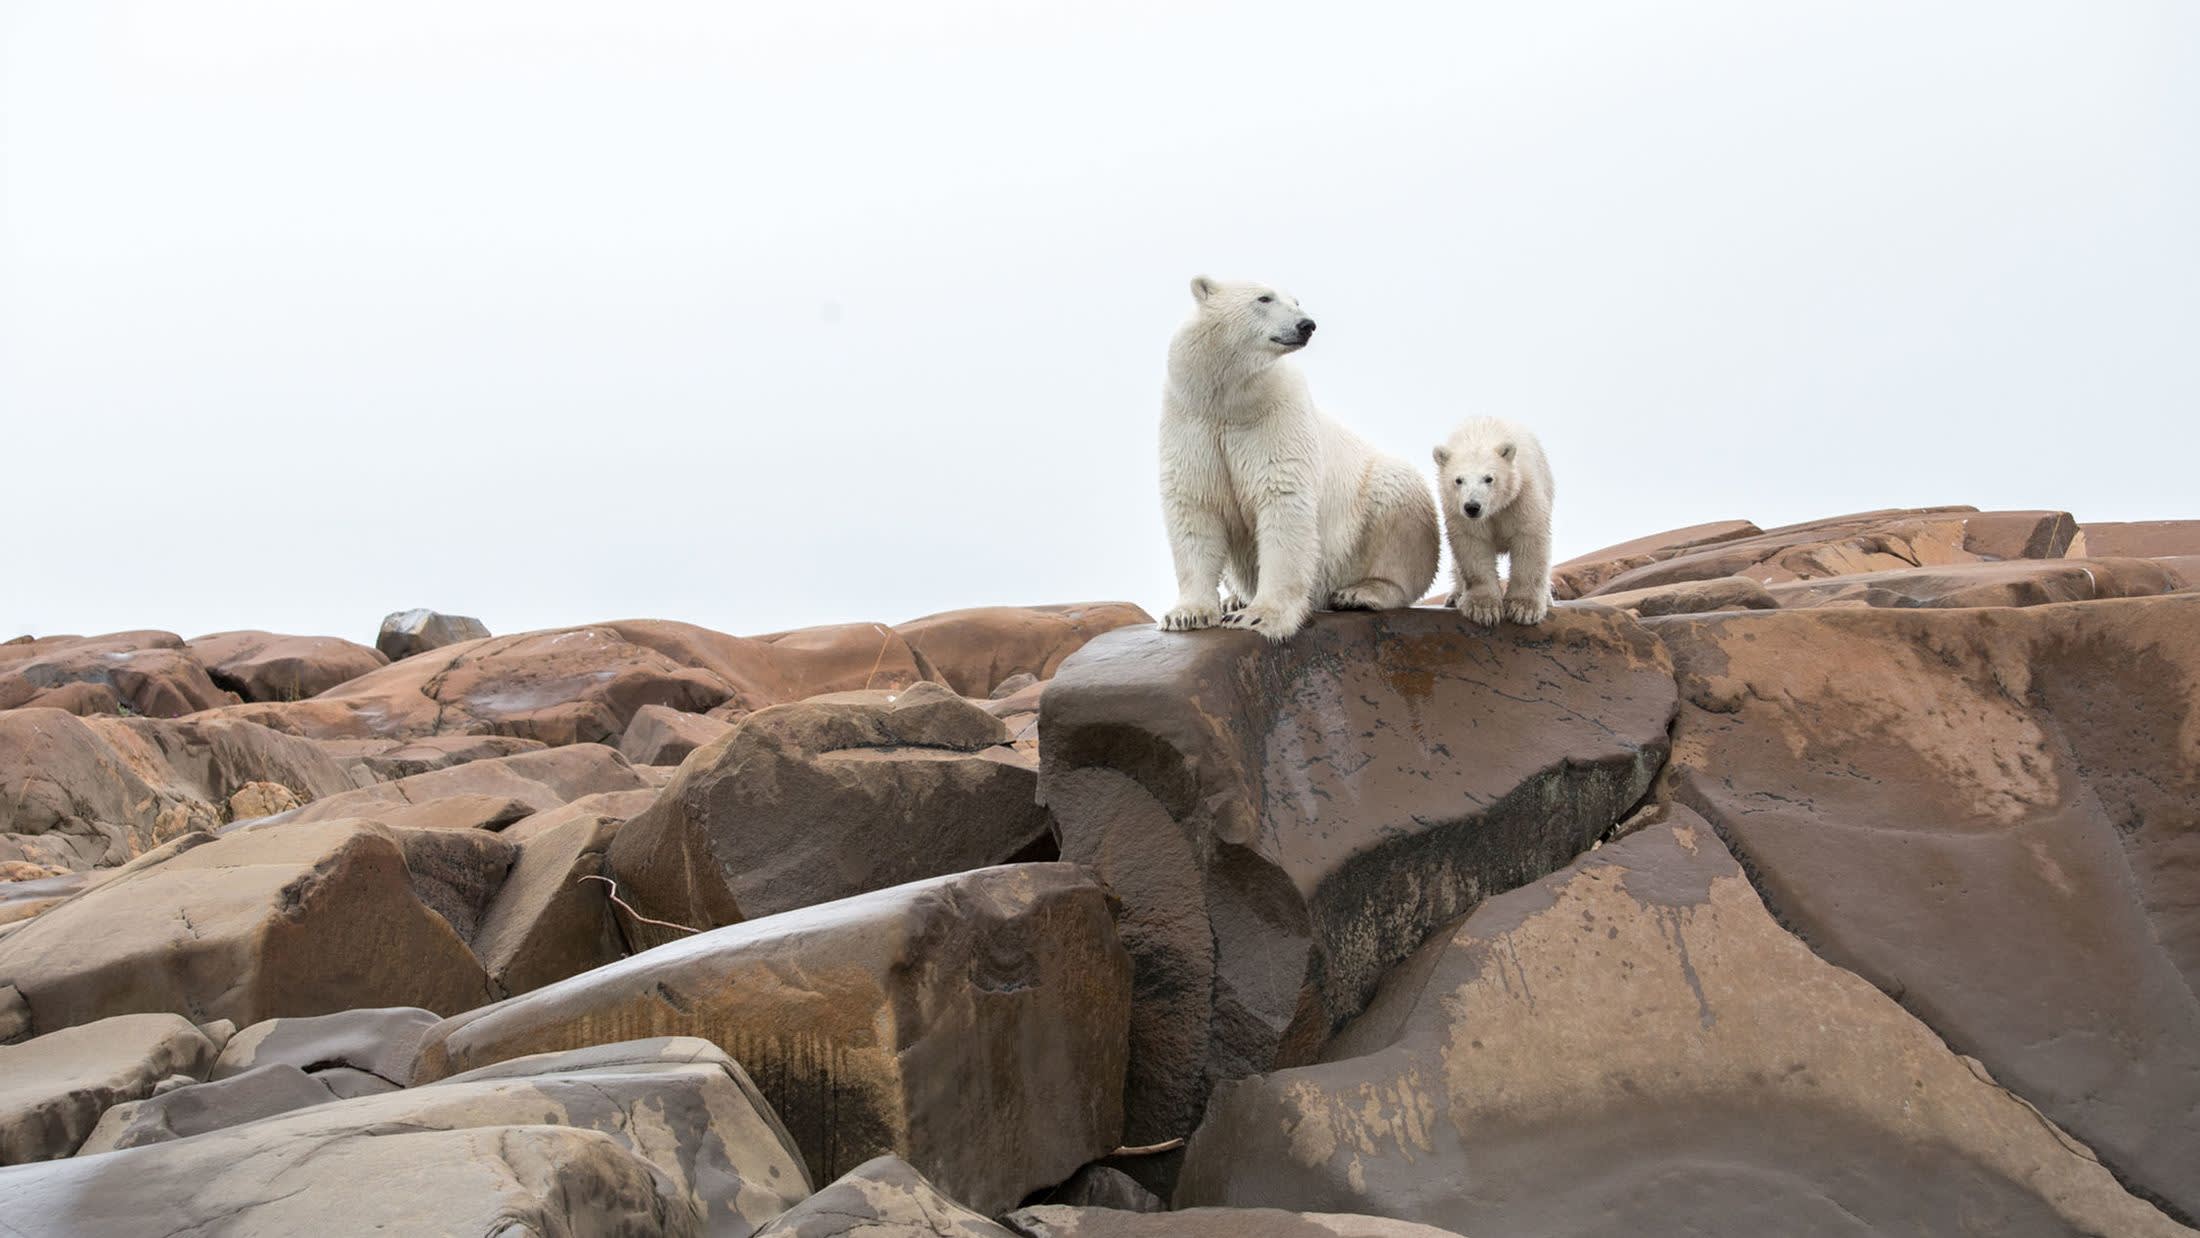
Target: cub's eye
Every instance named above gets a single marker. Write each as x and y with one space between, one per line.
1459 481
1266 299
1487 480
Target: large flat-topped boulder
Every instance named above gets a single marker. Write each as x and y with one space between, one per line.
1634 1046
300 920
2012 582
1284 823
267 666
79 792
974 1024
820 800
1992 815
1864 542
148 673
785 666
975 651
407 632
663 1137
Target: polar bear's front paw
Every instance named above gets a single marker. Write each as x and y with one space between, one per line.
1482 610
1274 622
1231 603
1528 611
1190 617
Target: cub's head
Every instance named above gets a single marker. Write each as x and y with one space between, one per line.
1253 317
1477 469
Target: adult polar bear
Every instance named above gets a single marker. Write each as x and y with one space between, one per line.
1260 489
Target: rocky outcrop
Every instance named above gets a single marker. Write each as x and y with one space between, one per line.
54 1088
407 632
1283 823
661 736
300 920
1989 814
825 799
2149 539
1634 1046
182 1112
550 920
664 1137
265 666
976 651
382 1042
78 792
489 793
150 674
1577 576
973 1024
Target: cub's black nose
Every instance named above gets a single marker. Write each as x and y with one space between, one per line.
1473 510
1306 326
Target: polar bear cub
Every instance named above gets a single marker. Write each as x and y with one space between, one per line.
1495 487
1262 492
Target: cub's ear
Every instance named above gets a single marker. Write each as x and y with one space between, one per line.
1203 287
1442 455
1506 451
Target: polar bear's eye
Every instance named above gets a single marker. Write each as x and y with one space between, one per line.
1266 299
1487 480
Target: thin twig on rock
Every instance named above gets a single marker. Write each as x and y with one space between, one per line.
623 906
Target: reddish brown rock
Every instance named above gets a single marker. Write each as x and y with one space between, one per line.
387 760
2145 539
407 632
145 673
1690 597
78 792
660 736
975 651
299 920
1284 822
489 793
817 801
2017 582
549 920
1634 1046
615 807
973 1024
1991 814
1577 576
264 666
1864 542
785 666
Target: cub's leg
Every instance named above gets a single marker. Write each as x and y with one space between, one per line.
1528 580
1474 580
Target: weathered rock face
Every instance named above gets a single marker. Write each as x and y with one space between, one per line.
660 736
1990 814
1690 597
149 673
662 1137
786 666
1053 1221
185 1111
381 1042
293 921
975 651
2017 582
1865 542
264 666
974 1024
882 1198
1634 1046
548 922
2150 539
1577 576
53 1088
1284 823
78 792
387 760
817 801
407 632
490 793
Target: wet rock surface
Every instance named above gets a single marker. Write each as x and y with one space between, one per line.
1282 824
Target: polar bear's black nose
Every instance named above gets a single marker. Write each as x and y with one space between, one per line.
1306 327
1473 510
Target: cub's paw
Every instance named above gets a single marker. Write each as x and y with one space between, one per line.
1528 611
1273 622
1482 610
1191 618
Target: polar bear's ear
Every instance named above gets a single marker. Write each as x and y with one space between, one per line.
1203 287
1506 451
1443 456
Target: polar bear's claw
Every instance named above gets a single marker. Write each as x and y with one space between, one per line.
1271 622
1190 618
1484 611
1527 611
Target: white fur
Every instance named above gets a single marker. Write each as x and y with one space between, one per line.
1498 469
1260 490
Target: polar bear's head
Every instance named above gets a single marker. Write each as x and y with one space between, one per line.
1478 468
1253 317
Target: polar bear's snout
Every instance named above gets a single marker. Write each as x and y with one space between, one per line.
1472 509
1297 336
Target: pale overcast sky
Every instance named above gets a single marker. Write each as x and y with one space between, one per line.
760 316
